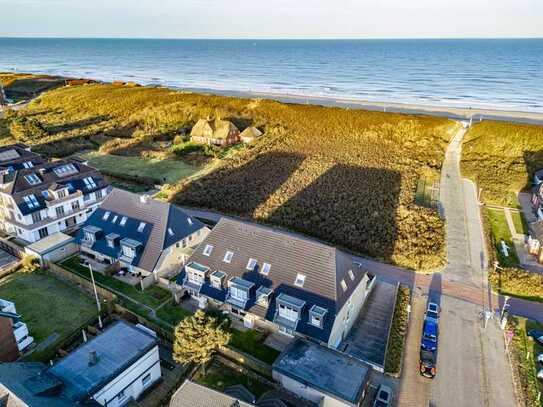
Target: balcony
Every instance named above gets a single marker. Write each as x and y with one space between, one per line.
7 306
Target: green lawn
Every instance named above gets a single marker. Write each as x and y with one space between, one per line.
161 171
219 377
251 342
520 222
152 296
526 351
500 231
47 305
172 313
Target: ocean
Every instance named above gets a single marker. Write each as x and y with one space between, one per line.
503 74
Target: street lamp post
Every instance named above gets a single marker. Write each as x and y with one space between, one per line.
505 305
96 297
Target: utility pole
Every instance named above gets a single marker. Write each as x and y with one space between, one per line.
96 297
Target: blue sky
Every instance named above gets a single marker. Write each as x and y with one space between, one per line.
272 18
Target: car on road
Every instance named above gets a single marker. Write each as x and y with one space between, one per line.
428 360
383 398
432 311
430 333
537 335
540 358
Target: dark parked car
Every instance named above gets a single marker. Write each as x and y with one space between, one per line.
430 333
537 335
428 361
383 397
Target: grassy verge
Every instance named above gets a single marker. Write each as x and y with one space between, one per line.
398 332
500 231
524 353
152 296
518 283
520 222
172 313
161 171
219 377
252 342
47 305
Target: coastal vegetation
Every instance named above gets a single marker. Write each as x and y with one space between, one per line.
502 158
398 332
345 176
20 86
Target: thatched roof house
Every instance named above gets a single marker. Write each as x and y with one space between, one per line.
218 132
250 134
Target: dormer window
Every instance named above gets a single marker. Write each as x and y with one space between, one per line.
228 257
66 169
28 164
129 252
32 179
112 239
217 279
251 264
265 270
61 193
316 316
90 234
207 250
351 275
300 280
129 249
141 226
263 295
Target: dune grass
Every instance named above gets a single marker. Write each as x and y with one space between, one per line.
502 157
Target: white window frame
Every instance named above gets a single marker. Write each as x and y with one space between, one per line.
228 256
238 293
141 227
315 320
105 216
351 275
300 280
343 285
123 221
33 179
207 250
129 252
288 313
251 264
265 270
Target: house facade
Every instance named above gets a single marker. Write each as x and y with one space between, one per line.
535 237
19 329
216 132
277 281
39 198
140 234
250 134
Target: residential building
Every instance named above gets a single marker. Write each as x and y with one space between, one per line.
19 329
39 198
191 394
9 351
322 375
52 248
535 240
250 134
218 132
111 369
277 281
140 234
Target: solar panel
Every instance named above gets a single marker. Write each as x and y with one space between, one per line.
9 155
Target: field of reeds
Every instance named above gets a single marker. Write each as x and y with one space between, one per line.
502 157
345 176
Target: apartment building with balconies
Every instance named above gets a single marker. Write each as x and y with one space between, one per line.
19 330
39 197
277 281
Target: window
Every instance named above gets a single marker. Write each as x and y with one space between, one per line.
207 250
59 210
195 278
33 179
300 280
315 320
251 264
170 232
228 257
141 226
238 293
61 193
75 205
351 275
89 183
129 252
36 216
86 197
184 243
146 379
43 232
45 194
111 242
121 396
70 187
106 215
344 285
265 269
288 313
114 219
98 194
123 221
31 201
65 169
189 220
89 237
28 164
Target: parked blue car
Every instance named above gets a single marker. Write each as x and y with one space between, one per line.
430 334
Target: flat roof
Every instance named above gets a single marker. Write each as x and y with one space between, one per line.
324 369
50 242
117 348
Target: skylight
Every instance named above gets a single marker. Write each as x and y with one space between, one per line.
31 201
114 219
251 264
265 269
28 164
9 155
70 186
66 169
33 179
106 215
208 249
351 275
189 220
300 280
123 221
344 285
89 182
228 257
141 226
170 232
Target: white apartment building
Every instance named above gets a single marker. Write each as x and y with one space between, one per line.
20 329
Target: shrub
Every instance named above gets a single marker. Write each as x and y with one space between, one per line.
187 148
26 130
30 264
517 282
398 331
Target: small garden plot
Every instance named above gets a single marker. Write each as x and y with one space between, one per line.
252 342
500 232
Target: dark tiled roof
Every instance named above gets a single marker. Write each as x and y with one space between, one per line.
165 225
288 254
117 348
324 369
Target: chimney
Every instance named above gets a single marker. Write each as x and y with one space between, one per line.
93 358
144 198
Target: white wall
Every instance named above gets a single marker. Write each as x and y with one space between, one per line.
347 315
55 255
130 381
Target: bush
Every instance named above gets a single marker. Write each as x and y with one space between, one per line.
517 282
30 264
25 130
398 332
187 148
